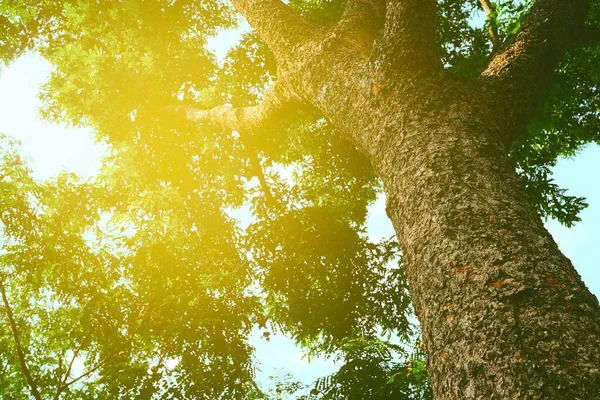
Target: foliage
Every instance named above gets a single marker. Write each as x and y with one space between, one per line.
372 368
137 310
377 369
144 280
566 122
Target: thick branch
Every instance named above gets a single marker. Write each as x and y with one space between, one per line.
523 67
277 24
275 107
361 22
493 28
409 41
13 327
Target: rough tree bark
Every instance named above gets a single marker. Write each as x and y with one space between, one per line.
504 314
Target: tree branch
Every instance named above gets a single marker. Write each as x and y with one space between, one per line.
86 373
361 21
491 20
62 383
13 327
277 24
521 70
409 41
262 180
59 372
276 105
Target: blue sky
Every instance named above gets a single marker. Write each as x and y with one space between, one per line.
54 147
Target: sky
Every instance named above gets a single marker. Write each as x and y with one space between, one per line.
53 148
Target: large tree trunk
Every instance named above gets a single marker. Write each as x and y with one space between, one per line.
504 314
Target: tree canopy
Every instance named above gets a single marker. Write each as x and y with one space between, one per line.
143 284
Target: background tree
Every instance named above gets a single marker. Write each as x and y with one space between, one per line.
408 92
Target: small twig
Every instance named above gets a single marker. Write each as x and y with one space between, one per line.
59 371
62 383
257 171
87 373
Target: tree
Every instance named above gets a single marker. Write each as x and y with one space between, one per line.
446 115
